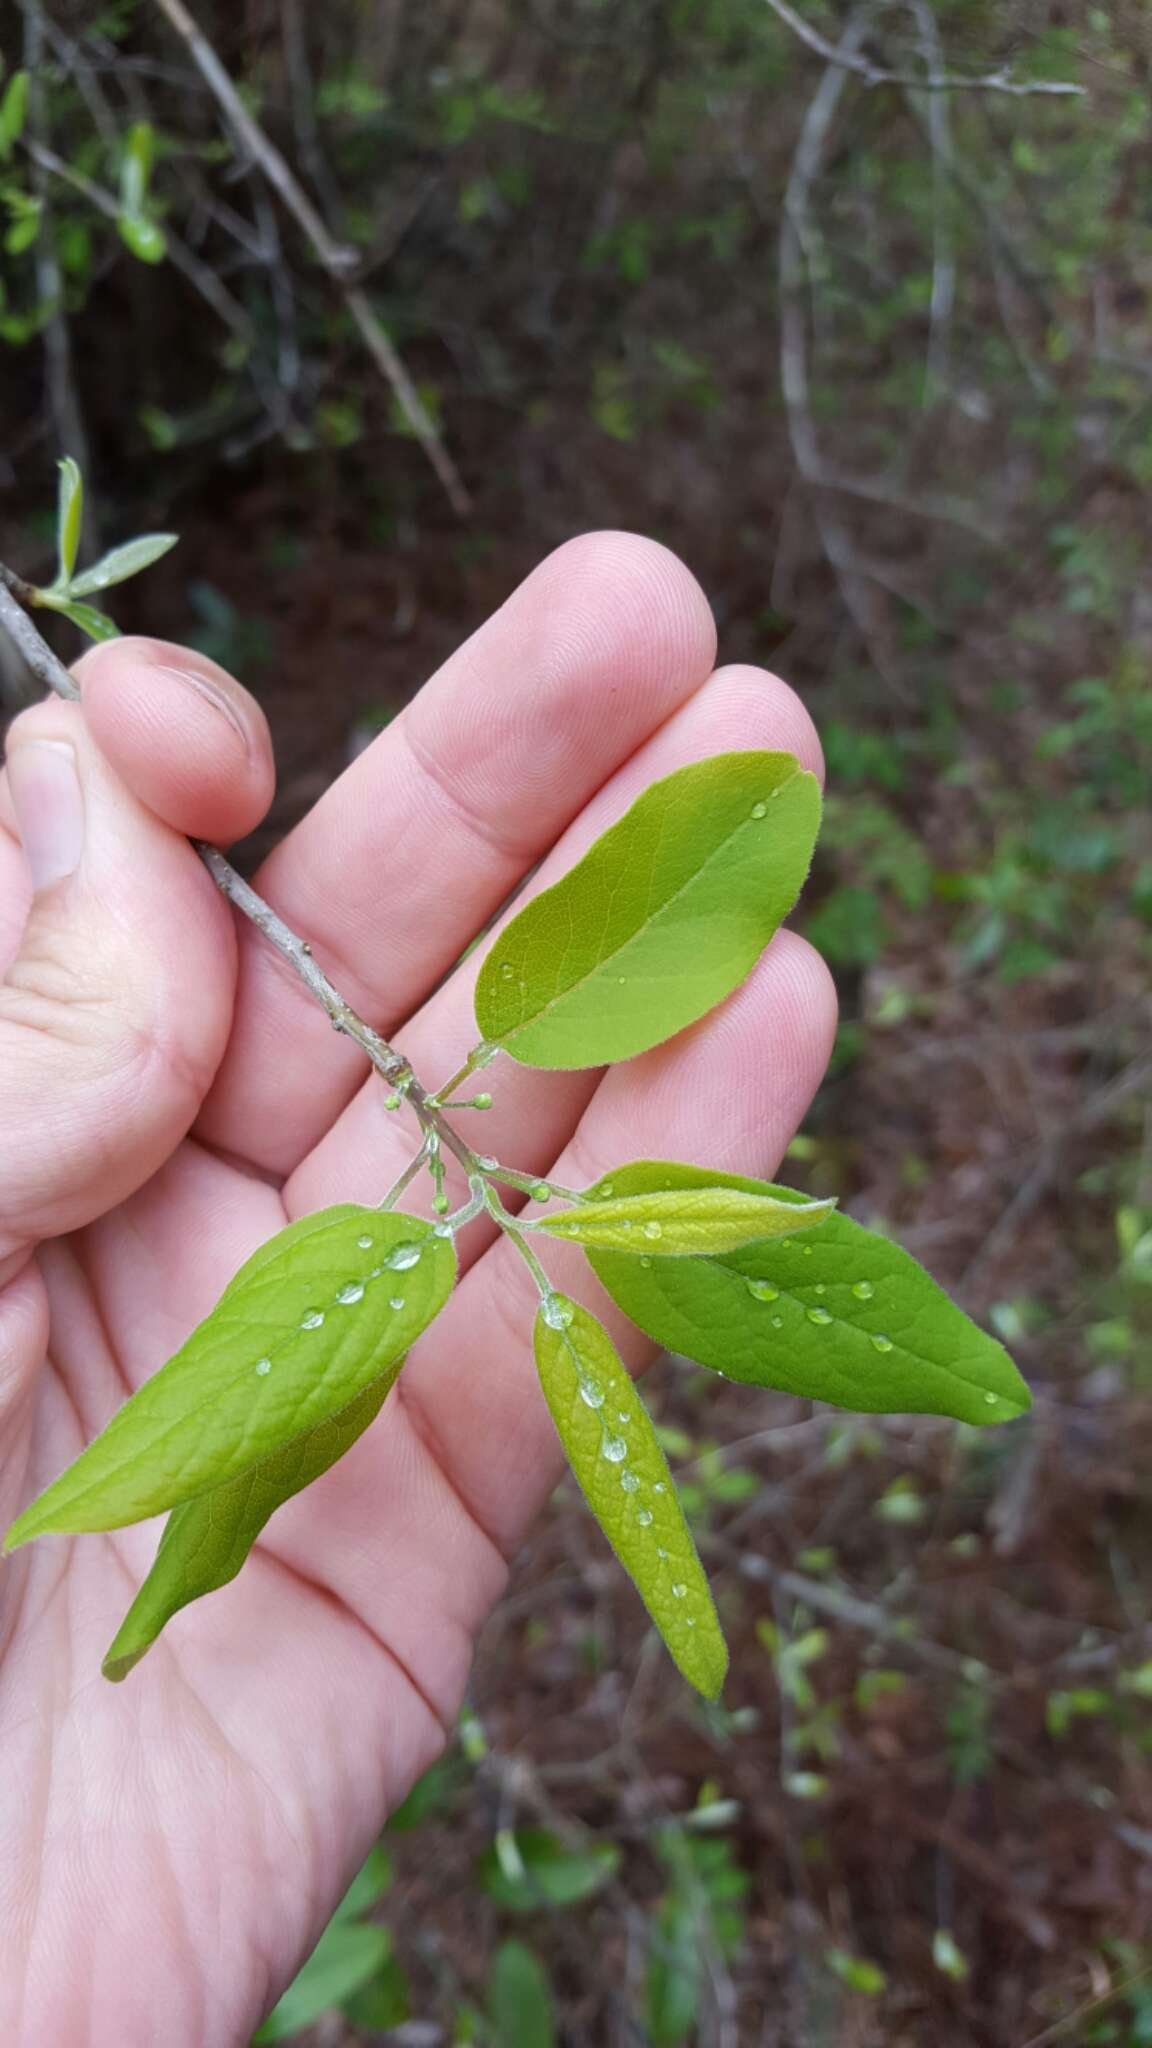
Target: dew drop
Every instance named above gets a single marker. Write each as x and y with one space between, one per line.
365 1243
653 1231
614 1449
662 1553
863 1290
679 1592
592 1393
622 1415
629 1482
541 1192
403 1258
353 1292
397 1301
647 1264
882 1343
645 1518
507 969
759 810
442 1230
486 1164
312 1320
689 1621
557 1312
603 1191
621 979
659 1487
819 1315
990 1398
777 1322
807 1250
821 1290
264 1367
762 1290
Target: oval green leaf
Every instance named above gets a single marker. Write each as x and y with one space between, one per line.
348 1955
682 1222
836 1314
623 1475
665 915
120 563
520 1999
97 625
306 1325
530 1869
207 1540
145 239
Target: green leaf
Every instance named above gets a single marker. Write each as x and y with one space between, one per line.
97 625
682 1222
69 517
675 1970
120 563
307 1324
347 1955
23 232
136 166
837 1314
531 1869
13 112
520 1999
142 235
623 1474
665 915
369 1885
207 1540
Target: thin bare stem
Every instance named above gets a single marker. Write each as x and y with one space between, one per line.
339 260
935 81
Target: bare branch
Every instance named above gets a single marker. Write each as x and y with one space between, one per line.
336 258
934 81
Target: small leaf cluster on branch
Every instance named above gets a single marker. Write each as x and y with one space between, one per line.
665 916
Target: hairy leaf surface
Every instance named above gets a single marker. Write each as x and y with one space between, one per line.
306 1325
206 1540
624 1476
665 915
836 1314
682 1222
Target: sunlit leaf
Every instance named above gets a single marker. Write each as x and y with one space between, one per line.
623 1474
69 517
120 563
665 915
835 1314
520 1999
682 1222
306 1325
206 1540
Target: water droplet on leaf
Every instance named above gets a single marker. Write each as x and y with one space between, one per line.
397 1301
365 1243
541 1192
645 1518
263 1366
592 1393
312 1320
762 1290
882 1343
653 1231
507 969
759 810
679 1592
557 1312
353 1292
404 1257
819 1315
629 1482
614 1449
863 1290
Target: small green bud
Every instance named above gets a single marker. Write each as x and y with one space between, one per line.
392 1101
482 1101
441 1204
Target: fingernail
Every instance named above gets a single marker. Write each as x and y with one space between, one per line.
210 692
49 807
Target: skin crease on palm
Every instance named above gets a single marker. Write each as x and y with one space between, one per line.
170 1848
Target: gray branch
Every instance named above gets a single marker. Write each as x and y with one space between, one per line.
933 81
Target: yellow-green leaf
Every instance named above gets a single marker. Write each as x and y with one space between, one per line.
69 517
623 1474
306 1325
206 1541
665 915
682 1222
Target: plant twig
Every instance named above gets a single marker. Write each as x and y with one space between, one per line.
935 81
336 258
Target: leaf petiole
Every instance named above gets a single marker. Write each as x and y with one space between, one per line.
513 1232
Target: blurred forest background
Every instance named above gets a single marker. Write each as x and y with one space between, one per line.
853 309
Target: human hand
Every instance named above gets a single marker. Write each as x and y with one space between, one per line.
169 1097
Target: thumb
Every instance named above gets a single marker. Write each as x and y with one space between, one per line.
116 1005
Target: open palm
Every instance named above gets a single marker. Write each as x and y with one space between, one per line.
169 1096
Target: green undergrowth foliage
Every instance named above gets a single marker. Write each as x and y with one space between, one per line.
662 919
